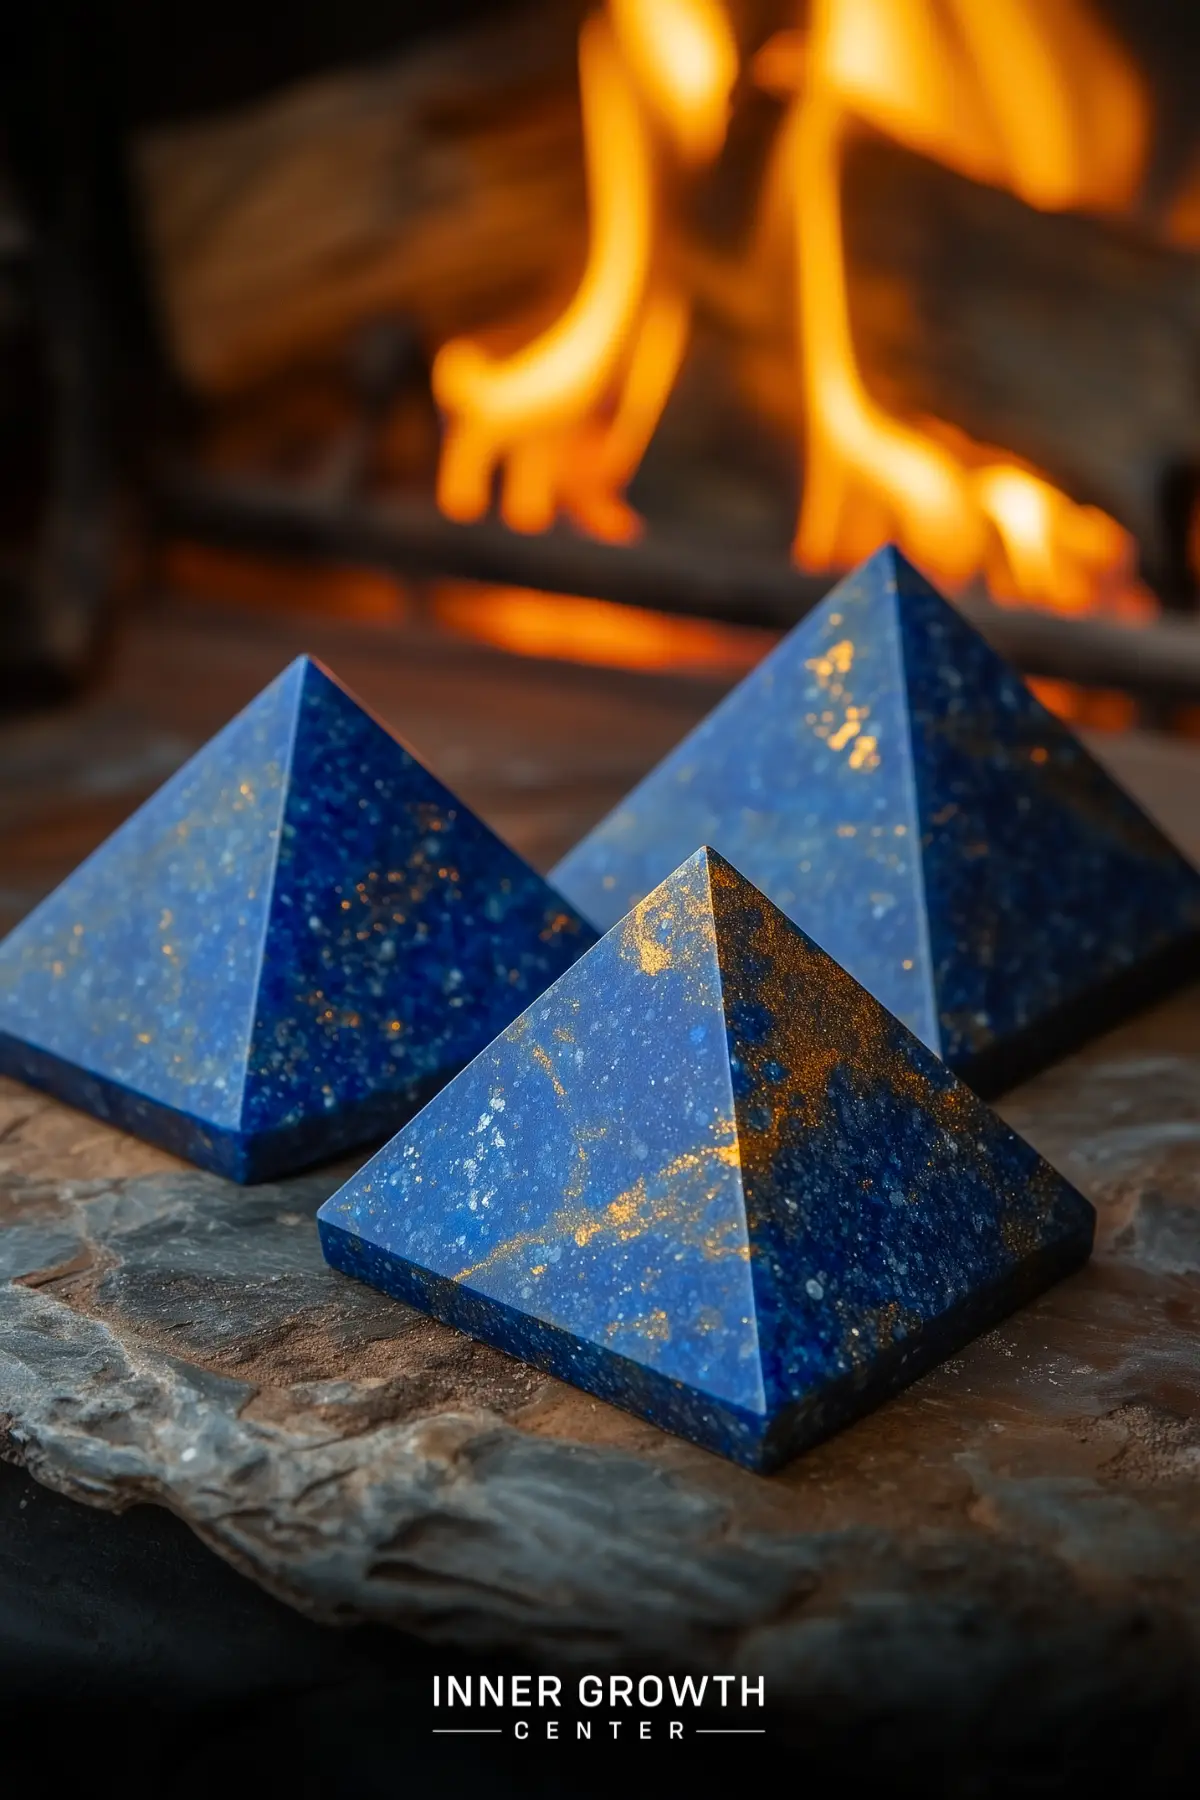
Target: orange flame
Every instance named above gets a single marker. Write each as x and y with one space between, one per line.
568 418
571 628
685 60
1028 95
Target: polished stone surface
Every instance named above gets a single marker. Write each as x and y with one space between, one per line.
284 950
897 790
707 1177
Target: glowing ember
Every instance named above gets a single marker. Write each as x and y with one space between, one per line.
569 628
1031 96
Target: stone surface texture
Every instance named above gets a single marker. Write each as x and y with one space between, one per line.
891 784
285 950
708 1178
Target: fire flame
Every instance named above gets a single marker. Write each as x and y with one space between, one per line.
1031 96
568 418
1028 95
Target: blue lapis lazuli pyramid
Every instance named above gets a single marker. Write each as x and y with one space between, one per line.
706 1176
285 950
894 786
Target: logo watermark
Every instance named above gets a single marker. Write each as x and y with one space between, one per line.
590 1708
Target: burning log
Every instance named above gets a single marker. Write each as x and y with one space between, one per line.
1066 339
446 186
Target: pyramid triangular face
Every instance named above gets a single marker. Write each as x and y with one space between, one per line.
707 1177
286 949
896 789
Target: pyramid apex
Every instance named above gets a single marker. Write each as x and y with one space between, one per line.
888 556
316 681
691 873
303 671
286 689
703 857
293 672
305 676
691 903
685 906
313 665
308 668
886 574
725 877
890 565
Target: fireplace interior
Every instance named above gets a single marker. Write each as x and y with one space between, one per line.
612 332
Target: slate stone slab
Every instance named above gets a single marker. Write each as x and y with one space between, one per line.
708 1177
285 950
1012 1546
897 790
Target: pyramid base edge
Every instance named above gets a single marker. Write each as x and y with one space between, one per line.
1048 1039
726 1429
757 1442
815 1418
244 1157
